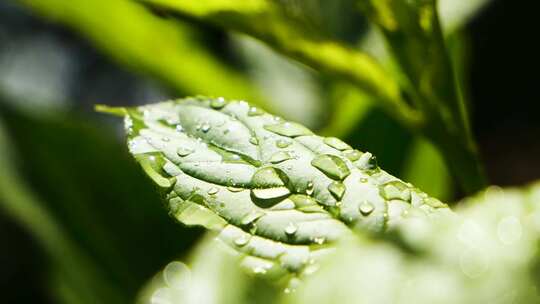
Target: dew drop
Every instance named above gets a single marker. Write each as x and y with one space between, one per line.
363 180
241 241
365 208
290 129
213 191
183 152
251 217
177 275
254 111
165 139
337 189
336 143
279 157
254 141
352 155
270 193
205 127
319 240
291 229
331 165
234 189
396 190
179 128
282 143
218 103
309 188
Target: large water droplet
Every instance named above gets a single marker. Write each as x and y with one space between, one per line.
290 129
336 143
305 203
254 111
337 189
331 165
396 190
183 152
179 128
352 155
283 143
177 275
270 193
365 208
279 157
291 229
218 103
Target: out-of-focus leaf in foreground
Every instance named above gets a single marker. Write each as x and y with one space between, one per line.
486 254
88 205
277 193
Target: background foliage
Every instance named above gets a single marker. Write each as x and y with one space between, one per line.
79 221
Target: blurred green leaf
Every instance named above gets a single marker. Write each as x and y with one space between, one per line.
274 24
210 276
488 253
414 35
94 200
135 37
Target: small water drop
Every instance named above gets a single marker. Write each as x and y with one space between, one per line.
205 127
165 139
365 208
254 111
282 143
279 157
319 240
234 189
183 152
179 128
309 188
213 191
291 229
218 103
241 241
363 180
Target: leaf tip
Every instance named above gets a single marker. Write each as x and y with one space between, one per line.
117 111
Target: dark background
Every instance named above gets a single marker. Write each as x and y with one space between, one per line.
504 87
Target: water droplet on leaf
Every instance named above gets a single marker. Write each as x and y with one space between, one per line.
290 129
365 208
336 143
331 165
337 189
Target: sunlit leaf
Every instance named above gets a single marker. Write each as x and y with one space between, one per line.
275 191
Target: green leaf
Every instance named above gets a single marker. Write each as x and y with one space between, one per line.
277 25
165 49
276 192
487 253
